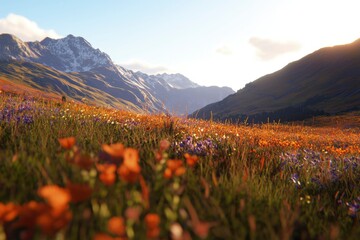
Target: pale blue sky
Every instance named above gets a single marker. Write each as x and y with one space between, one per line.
213 42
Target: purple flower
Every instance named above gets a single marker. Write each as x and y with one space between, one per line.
199 147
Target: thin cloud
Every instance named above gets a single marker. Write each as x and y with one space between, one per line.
144 67
224 50
24 28
268 49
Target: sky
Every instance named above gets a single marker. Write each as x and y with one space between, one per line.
212 42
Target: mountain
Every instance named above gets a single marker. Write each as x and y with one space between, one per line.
324 82
180 95
73 59
51 64
69 54
177 81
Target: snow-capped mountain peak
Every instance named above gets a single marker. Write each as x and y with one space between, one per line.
178 81
76 53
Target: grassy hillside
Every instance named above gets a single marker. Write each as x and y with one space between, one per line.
73 171
327 80
88 87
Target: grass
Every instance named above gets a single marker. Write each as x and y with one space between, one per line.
270 181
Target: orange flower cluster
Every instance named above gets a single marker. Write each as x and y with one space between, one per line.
129 169
49 217
67 143
152 222
174 167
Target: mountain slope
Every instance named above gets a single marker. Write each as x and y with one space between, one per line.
51 81
326 81
74 58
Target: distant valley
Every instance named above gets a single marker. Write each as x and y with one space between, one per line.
72 67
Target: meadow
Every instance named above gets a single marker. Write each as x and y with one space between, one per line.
73 171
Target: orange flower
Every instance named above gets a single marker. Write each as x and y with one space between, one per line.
131 160
130 169
51 222
79 192
67 143
173 164
191 160
115 150
57 197
180 171
167 173
116 225
30 211
153 233
49 219
8 212
174 168
152 222
127 175
107 173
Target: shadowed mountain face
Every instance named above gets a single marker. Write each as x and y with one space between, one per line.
324 82
46 63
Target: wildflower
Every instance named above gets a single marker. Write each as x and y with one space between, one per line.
130 169
67 143
152 222
116 225
114 150
8 212
174 167
127 175
50 217
107 173
51 222
191 160
131 159
167 173
56 197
